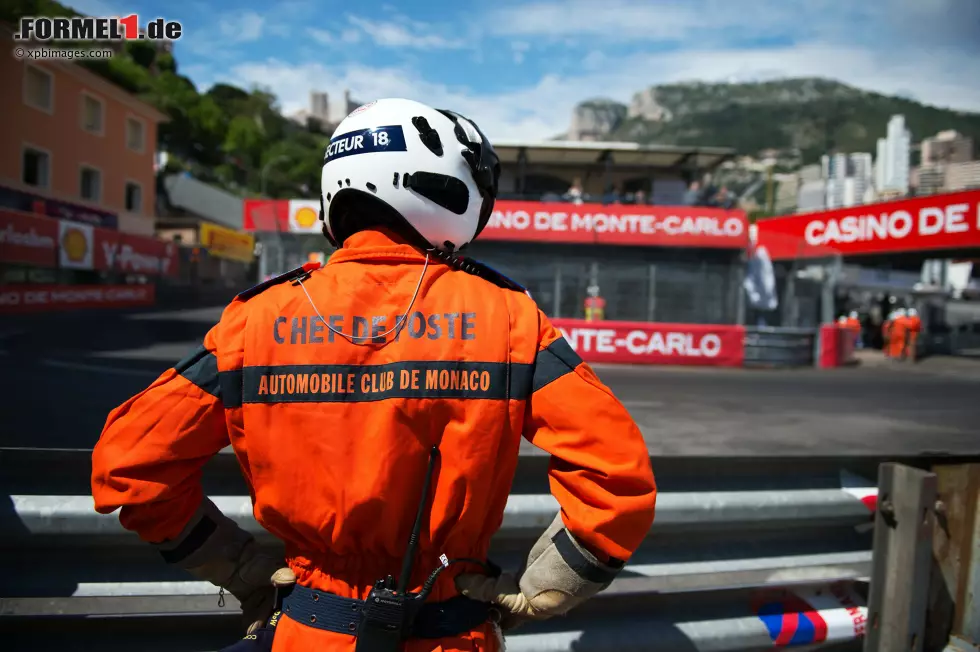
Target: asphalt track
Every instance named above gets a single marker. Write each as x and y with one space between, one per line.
62 374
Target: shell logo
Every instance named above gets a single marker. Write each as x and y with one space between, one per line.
75 245
306 217
363 107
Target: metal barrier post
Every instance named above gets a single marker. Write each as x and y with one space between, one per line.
902 557
956 543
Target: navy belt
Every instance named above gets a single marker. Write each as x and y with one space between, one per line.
334 613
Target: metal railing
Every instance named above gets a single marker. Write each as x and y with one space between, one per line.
738 543
780 347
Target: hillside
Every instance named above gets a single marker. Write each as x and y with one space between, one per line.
812 115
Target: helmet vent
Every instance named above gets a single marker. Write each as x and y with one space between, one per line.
430 137
394 182
372 187
446 191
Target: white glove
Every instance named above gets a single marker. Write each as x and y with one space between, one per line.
560 574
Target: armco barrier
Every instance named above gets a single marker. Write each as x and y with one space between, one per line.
779 347
744 554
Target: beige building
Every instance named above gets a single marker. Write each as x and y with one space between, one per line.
962 176
947 147
69 135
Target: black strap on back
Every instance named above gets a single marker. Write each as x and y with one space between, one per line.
476 268
293 274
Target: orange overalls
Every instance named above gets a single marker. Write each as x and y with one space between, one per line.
333 437
914 327
896 337
595 309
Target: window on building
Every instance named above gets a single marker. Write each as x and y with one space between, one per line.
134 134
134 197
38 88
90 184
36 167
92 114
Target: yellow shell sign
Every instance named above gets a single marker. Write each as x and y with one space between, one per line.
304 216
227 243
74 244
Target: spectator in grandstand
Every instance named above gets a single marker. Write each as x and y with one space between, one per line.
725 198
693 195
614 195
639 197
574 193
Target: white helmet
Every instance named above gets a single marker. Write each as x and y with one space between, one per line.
854 314
430 175
913 312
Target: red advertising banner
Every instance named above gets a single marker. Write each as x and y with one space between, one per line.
44 298
132 254
266 215
557 222
651 343
28 240
45 242
617 224
949 221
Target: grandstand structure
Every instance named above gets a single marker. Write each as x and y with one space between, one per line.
547 169
639 279
652 256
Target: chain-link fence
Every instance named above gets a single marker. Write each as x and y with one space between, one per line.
280 250
801 280
637 284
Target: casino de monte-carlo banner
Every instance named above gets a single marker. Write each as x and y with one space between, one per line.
617 224
936 222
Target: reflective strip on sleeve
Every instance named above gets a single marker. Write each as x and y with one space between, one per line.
231 388
200 367
174 552
586 568
554 362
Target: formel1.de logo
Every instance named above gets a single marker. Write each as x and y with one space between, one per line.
88 28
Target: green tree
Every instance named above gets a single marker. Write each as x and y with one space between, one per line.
143 53
122 71
209 127
166 63
245 140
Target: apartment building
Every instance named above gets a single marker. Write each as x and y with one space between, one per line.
73 138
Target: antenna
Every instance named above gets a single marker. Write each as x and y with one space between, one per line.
413 541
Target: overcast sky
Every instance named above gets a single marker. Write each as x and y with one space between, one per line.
518 69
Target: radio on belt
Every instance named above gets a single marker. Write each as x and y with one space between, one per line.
390 611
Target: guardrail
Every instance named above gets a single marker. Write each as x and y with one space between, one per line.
745 553
779 347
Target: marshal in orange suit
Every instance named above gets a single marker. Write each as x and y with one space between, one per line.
340 387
